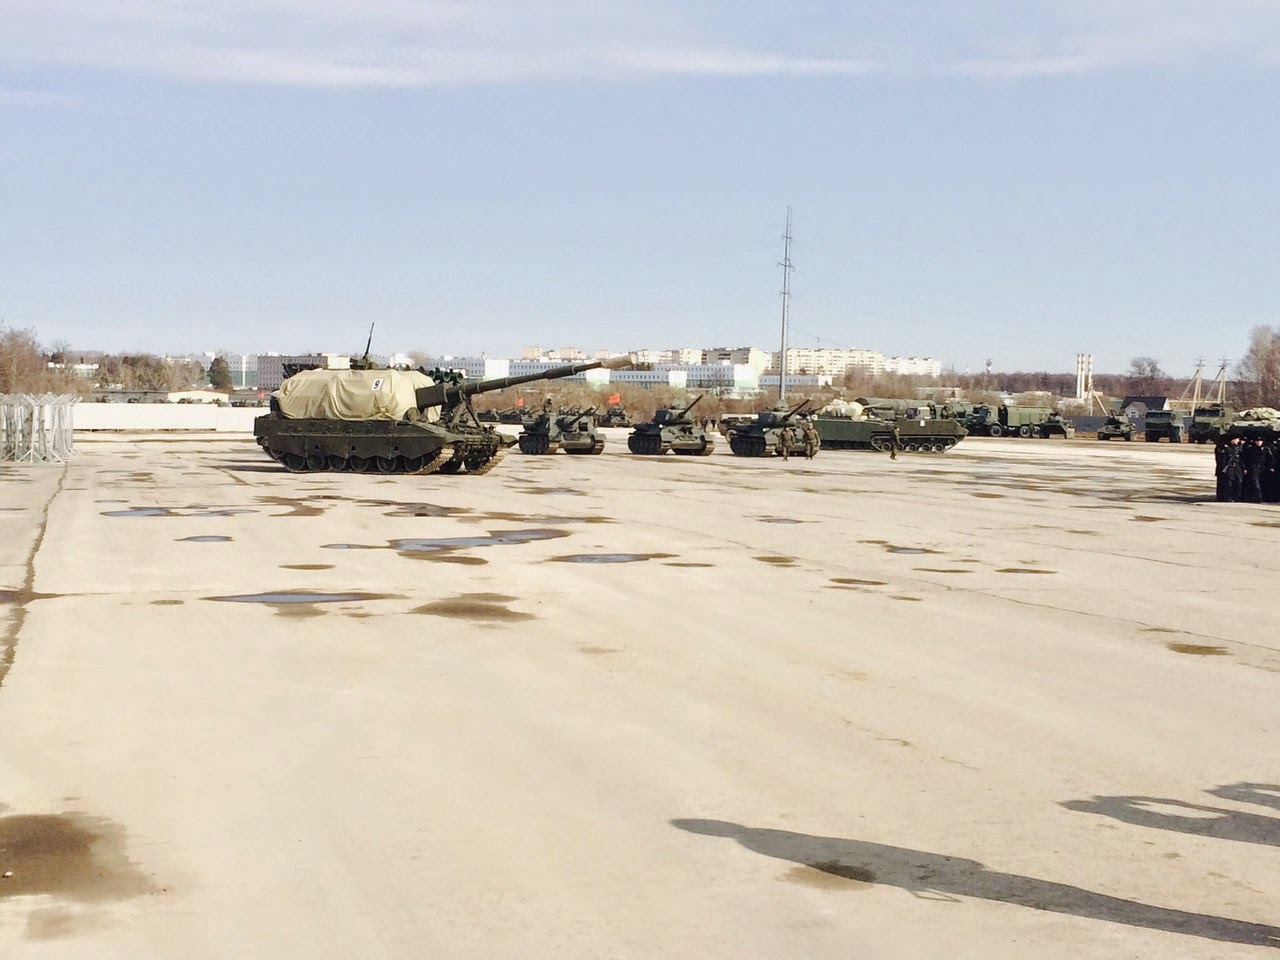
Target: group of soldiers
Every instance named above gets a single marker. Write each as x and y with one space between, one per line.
804 431
1246 470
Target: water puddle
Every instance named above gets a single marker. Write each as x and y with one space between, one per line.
300 596
779 520
544 491
205 538
495 538
904 597
688 564
306 566
609 557
26 596
475 606
1198 649
70 857
1024 570
142 512
854 581
988 496
777 561
1143 519
942 570
895 548
167 603
831 875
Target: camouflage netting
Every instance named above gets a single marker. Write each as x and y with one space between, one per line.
1259 413
842 408
353 395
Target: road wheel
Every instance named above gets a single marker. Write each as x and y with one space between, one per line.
996 430
1024 430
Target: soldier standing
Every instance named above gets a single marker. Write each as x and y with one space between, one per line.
1233 470
1258 462
784 442
811 440
895 443
1220 467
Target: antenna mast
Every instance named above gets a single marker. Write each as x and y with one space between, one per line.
786 304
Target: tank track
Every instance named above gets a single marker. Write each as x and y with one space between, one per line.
480 459
752 446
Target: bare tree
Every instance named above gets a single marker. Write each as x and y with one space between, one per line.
1146 378
1259 372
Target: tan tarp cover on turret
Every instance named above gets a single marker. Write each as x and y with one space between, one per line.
352 394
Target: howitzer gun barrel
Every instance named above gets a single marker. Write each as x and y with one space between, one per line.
685 411
441 393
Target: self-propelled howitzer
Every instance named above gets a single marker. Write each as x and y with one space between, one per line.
390 421
764 436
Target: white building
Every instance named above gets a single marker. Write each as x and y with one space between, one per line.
913 366
829 361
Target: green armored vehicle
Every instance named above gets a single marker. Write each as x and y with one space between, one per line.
672 430
762 437
849 426
571 430
1117 426
615 416
1163 423
1012 421
388 421
1209 422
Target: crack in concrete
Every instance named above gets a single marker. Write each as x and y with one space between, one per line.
9 639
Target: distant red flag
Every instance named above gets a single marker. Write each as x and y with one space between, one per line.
616 398
519 401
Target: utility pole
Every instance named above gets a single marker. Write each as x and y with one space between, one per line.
786 304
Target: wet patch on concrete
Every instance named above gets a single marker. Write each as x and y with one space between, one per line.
306 566
167 603
780 520
688 564
942 570
296 507
23 595
1160 630
609 557
831 875
70 856
552 491
1264 523
989 496
495 538
895 548
1084 533
853 581
204 538
777 561
905 597
1198 649
290 597
1031 570
1140 518
349 546
142 512
475 606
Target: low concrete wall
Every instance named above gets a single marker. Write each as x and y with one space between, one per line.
164 416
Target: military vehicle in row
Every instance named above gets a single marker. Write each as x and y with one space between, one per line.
1208 423
672 429
369 419
1163 424
851 425
762 437
1116 427
1012 421
615 416
572 430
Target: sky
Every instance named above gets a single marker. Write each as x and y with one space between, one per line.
970 180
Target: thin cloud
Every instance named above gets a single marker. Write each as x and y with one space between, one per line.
430 43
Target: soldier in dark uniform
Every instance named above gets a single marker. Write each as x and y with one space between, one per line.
895 443
1233 470
785 439
1258 462
1220 468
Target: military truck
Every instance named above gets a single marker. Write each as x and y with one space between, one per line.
1208 423
1010 421
1163 424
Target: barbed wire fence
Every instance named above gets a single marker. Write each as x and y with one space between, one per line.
36 428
